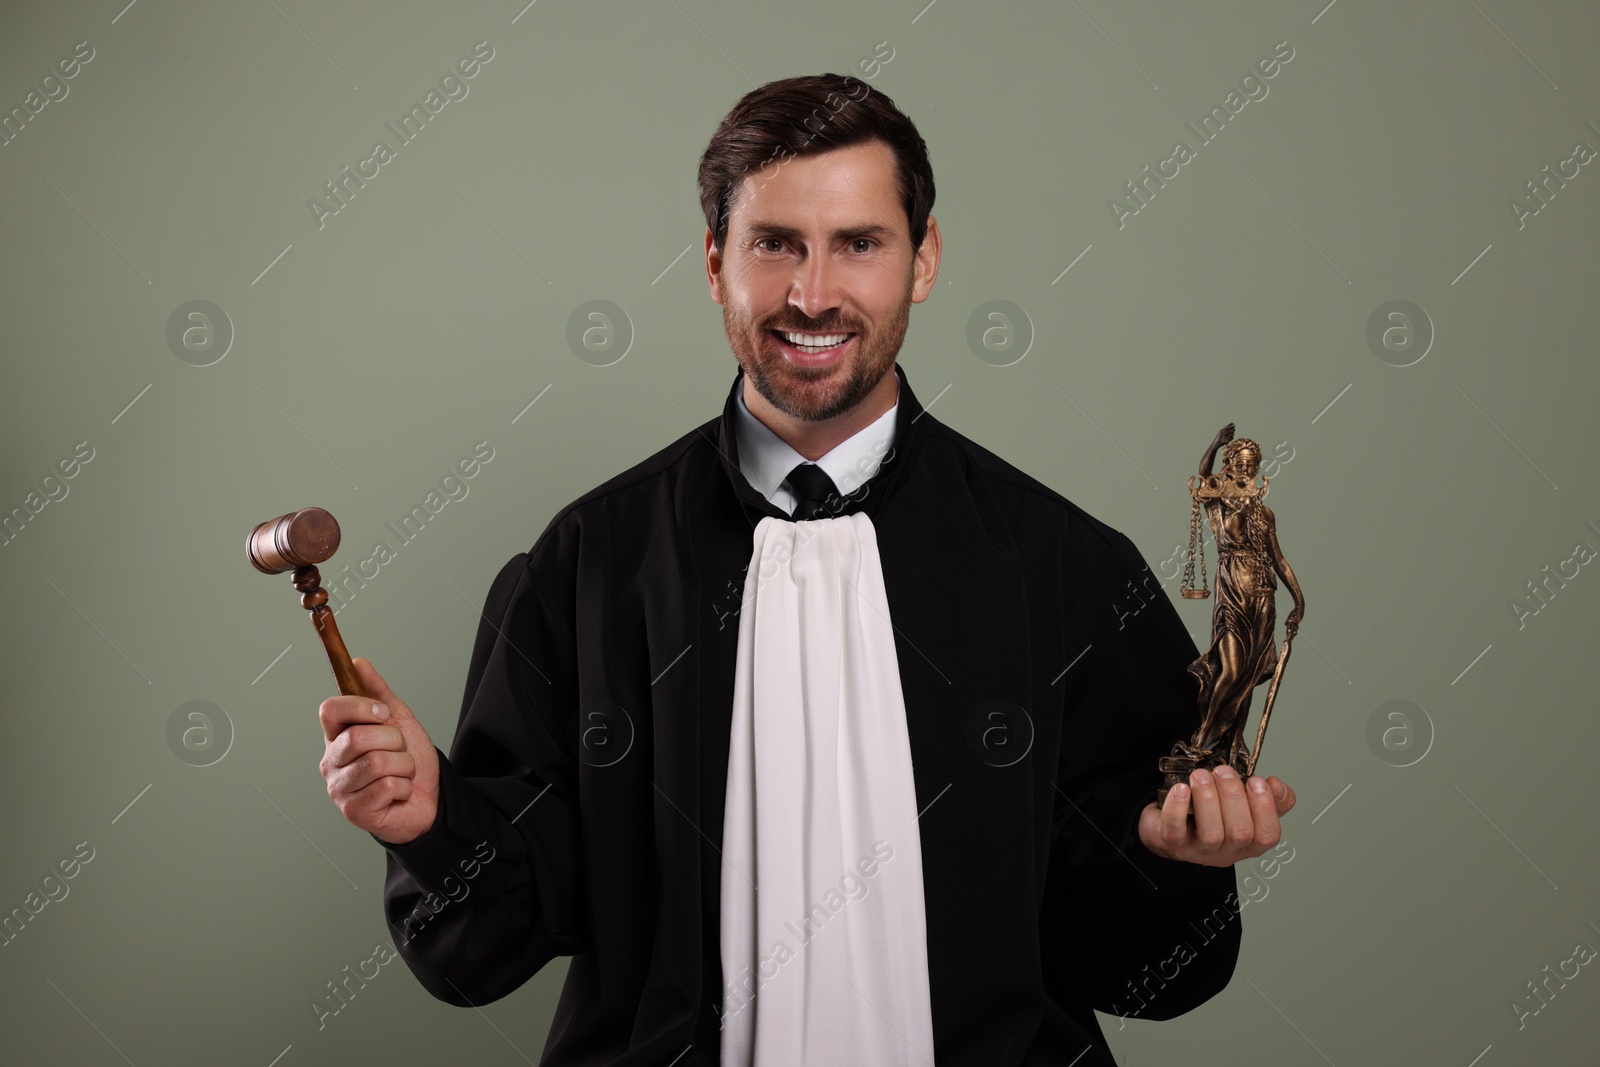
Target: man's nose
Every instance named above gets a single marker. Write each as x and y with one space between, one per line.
816 287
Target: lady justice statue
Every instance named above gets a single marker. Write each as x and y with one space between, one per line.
1242 654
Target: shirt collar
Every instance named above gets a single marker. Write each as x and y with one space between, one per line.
911 425
766 459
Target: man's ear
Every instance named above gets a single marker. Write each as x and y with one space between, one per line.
713 267
925 268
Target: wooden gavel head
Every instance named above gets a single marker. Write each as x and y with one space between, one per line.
297 542
298 539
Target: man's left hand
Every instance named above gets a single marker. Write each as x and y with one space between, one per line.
1233 820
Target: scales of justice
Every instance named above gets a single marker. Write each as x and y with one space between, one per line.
1242 654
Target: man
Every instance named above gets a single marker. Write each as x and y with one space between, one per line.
826 646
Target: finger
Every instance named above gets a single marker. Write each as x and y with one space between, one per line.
1208 829
339 712
359 739
368 804
399 710
1284 793
1238 827
1264 812
368 768
373 682
1175 817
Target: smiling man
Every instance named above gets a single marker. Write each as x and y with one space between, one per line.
820 736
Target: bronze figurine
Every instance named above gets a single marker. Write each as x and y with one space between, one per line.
1242 653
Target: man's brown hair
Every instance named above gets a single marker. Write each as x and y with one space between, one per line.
805 116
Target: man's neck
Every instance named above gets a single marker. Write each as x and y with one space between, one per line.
813 440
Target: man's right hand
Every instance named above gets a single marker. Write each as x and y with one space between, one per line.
382 772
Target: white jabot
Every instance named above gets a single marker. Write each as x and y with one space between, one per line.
823 936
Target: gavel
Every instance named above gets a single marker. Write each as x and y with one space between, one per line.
297 542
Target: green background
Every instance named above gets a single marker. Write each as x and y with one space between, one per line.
1417 501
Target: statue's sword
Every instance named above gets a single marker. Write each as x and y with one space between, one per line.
1272 693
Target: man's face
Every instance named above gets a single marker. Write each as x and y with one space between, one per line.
820 248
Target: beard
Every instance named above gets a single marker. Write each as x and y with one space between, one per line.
815 394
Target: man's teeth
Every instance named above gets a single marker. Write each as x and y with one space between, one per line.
814 341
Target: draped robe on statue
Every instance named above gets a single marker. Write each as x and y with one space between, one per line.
1041 672
1242 605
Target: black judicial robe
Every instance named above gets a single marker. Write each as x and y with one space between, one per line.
590 760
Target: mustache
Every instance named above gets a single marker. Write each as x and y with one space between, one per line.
838 328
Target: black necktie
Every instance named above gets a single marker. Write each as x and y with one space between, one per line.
815 490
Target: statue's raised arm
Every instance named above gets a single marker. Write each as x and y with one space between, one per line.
1224 435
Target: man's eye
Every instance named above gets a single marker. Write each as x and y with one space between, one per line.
764 240
863 241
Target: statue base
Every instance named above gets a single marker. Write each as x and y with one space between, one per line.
1185 759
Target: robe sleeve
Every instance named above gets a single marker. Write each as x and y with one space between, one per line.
1115 913
494 889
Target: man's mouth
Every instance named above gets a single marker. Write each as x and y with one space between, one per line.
812 347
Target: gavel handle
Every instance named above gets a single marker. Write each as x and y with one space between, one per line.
344 671
314 599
